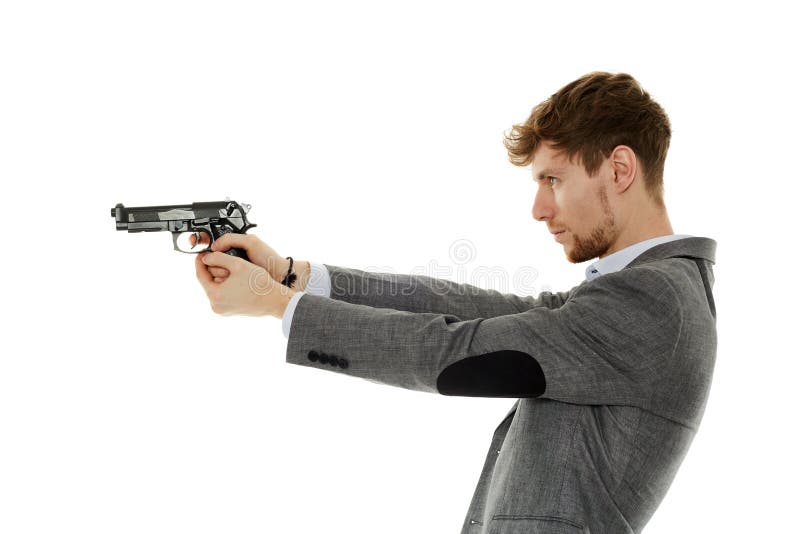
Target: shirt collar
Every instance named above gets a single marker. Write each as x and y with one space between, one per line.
618 260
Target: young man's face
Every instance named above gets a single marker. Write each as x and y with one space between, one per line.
570 201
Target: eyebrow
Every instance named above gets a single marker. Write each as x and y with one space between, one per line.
547 172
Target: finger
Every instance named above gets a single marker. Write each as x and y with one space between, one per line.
228 241
203 239
220 259
219 272
203 275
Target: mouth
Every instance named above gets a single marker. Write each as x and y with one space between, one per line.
557 235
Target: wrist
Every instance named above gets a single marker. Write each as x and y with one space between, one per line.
285 296
300 268
301 273
291 275
303 269
279 269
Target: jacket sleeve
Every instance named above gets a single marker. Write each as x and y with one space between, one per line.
608 343
424 294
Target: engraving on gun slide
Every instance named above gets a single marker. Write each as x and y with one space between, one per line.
203 221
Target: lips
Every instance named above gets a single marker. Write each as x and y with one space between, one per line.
558 234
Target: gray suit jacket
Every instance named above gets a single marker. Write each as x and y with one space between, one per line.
612 378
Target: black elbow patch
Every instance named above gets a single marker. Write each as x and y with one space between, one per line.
505 373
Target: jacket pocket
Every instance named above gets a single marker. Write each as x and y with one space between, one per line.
535 525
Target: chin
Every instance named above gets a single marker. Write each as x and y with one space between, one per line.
572 258
568 253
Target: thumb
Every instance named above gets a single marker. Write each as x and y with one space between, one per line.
229 241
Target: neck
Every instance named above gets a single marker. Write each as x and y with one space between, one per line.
642 226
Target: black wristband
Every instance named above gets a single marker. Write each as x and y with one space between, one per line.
290 277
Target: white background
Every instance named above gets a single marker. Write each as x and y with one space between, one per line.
365 135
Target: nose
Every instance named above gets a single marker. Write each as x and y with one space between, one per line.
542 205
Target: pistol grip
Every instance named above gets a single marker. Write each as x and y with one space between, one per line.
218 231
238 252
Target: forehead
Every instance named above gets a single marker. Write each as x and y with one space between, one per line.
547 156
547 161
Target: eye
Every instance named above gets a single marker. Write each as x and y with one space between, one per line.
549 178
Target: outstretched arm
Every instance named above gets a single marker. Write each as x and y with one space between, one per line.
604 345
424 294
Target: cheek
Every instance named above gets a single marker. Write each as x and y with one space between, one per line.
578 200
563 201
572 207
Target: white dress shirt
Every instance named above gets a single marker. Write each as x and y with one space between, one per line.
320 281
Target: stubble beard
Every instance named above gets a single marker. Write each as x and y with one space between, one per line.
599 240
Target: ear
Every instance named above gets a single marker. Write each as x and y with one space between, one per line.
623 164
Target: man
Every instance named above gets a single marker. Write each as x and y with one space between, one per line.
612 376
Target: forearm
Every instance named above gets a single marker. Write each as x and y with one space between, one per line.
418 351
417 294
424 294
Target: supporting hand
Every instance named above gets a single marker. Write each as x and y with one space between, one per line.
248 289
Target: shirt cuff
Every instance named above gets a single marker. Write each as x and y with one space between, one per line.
288 313
319 283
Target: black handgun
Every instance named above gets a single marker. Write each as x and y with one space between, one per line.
211 218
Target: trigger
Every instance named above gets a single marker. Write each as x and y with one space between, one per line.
196 239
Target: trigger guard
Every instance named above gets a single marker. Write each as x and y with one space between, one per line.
196 233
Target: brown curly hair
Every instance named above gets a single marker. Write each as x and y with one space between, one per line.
591 116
